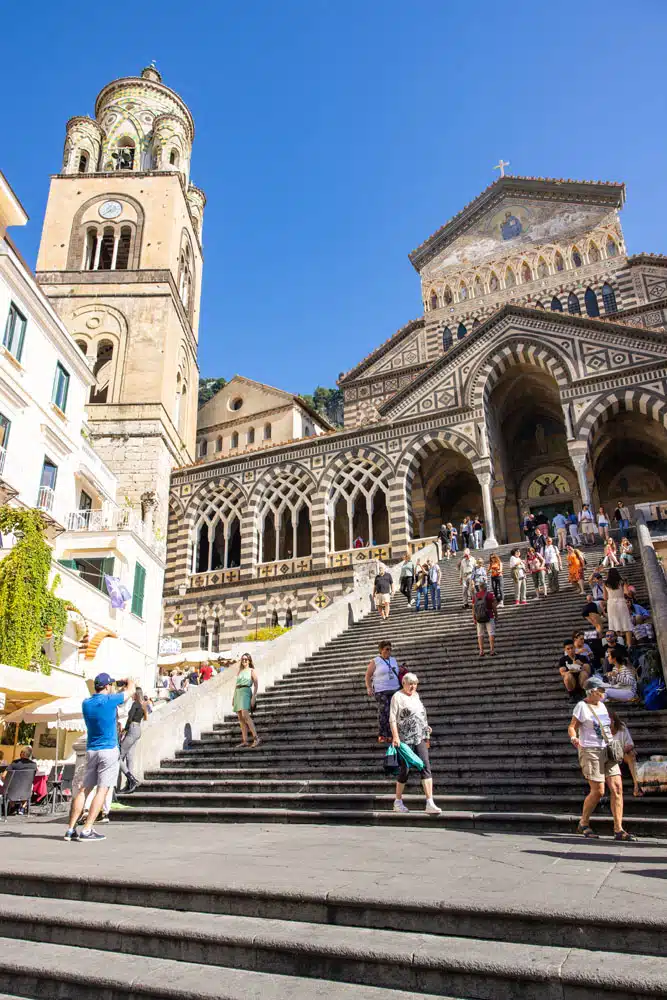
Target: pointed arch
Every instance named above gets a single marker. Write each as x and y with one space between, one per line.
634 399
556 304
591 303
593 252
463 292
576 258
461 331
542 268
609 299
448 296
525 351
494 282
479 286
611 247
215 516
526 272
447 339
510 278
433 300
539 305
573 304
559 262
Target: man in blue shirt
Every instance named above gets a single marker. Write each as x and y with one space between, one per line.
100 713
560 524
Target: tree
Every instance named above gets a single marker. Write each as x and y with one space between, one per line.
208 387
328 402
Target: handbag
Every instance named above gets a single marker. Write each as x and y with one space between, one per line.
390 761
615 748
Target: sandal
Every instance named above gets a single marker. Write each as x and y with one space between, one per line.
241 744
624 836
587 832
254 745
638 793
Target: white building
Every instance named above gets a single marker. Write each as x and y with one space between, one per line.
47 462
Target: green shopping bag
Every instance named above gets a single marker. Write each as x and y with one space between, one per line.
410 757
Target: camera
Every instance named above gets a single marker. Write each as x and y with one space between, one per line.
121 684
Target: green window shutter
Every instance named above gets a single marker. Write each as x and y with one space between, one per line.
138 590
69 563
107 566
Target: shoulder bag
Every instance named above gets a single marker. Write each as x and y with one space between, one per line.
615 748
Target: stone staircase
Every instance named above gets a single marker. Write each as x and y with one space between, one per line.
500 754
122 936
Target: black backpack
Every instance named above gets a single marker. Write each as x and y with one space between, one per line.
481 609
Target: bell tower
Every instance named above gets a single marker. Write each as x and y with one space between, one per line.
121 261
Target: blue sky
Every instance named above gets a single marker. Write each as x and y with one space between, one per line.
333 136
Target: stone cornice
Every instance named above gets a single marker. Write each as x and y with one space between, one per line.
390 373
636 375
378 352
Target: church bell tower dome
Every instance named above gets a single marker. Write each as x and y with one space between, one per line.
146 126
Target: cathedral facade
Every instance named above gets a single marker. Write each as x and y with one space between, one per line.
535 378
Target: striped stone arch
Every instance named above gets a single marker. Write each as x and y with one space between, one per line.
635 399
517 352
202 500
400 494
347 456
268 478
177 543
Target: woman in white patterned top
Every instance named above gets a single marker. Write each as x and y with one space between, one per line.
409 725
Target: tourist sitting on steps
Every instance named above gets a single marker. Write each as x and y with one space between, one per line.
409 725
622 678
590 734
245 696
382 682
625 552
484 614
575 669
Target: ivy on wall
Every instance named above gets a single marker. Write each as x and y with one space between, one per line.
29 609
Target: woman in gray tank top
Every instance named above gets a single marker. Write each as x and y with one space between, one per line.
382 681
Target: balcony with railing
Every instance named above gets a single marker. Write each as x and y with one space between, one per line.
45 499
111 518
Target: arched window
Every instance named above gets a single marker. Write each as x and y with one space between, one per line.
526 273
358 505
542 268
538 305
573 305
612 248
203 447
123 249
448 297
106 250
284 517
556 304
577 260
234 443
123 155
591 303
203 635
559 263
494 284
185 275
218 444
217 533
475 323
267 432
83 163
433 300
251 435
173 158
102 370
447 339
90 250
461 331
609 299
510 278
479 286
593 253
83 347
463 292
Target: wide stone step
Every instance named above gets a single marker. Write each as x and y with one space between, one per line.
66 972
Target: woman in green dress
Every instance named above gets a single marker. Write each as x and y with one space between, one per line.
245 694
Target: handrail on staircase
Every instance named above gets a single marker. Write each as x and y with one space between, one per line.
656 585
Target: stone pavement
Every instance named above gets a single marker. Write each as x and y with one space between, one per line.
538 874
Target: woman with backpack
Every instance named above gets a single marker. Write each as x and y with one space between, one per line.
576 564
382 681
484 615
620 731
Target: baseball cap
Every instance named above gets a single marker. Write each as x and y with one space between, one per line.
102 680
595 683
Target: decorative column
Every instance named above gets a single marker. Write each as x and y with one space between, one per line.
321 530
484 478
502 519
579 460
114 255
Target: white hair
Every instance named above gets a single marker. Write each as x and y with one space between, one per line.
410 678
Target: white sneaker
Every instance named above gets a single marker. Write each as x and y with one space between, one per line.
400 806
432 809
